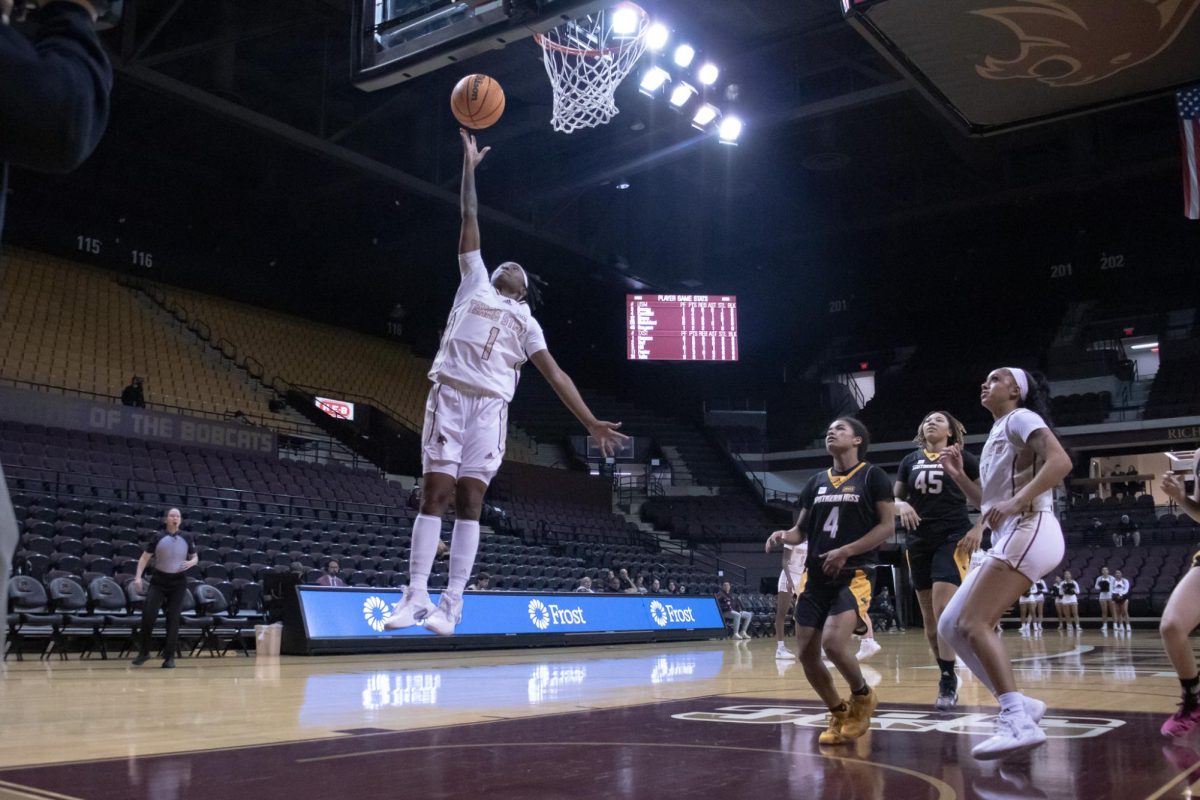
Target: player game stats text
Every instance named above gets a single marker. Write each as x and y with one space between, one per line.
681 327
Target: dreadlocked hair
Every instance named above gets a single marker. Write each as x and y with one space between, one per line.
958 434
533 292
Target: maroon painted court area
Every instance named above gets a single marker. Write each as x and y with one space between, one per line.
712 747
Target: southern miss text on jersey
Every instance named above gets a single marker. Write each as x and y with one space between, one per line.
841 509
934 495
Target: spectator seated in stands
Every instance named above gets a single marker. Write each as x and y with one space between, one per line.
655 587
1134 488
681 589
133 394
640 584
625 583
613 585
731 610
1095 534
585 585
1127 530
414 499
483 583
883 611
672 588
330 578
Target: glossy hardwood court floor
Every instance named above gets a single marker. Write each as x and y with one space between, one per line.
722 718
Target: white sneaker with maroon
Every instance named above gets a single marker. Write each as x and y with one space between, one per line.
446 616
411 609
1015 733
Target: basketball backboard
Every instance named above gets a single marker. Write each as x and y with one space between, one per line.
396 40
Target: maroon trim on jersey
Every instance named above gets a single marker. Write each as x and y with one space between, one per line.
435 392
1032 539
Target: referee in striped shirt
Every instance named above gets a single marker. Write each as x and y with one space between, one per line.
174 553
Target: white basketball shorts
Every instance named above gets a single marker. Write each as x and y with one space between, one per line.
797 581
1032 544
464 433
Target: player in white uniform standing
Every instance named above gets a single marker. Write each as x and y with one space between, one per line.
1021 464
791 583
489 335
1120 602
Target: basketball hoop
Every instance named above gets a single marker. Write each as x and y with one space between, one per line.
587 59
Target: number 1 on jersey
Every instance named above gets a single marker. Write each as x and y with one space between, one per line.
487 348
831 523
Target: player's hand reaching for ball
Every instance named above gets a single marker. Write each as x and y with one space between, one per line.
606 434
471 153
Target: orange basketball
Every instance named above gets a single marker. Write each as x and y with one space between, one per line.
477 102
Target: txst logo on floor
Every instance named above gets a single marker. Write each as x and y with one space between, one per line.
902 720
543 616
662 614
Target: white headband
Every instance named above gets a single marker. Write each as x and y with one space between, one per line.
1022 380
524 274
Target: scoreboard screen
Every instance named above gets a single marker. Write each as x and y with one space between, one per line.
681 327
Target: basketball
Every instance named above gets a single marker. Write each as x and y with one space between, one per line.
477 101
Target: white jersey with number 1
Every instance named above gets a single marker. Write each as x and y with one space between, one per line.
488 336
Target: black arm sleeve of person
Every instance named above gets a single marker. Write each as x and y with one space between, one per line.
879 488
971 465
54 91
152 545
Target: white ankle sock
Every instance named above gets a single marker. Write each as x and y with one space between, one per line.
1012 703
463 546
426 533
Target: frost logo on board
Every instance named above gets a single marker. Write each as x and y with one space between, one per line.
376 612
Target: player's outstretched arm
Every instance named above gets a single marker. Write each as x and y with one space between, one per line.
1174 487
606 433
468 236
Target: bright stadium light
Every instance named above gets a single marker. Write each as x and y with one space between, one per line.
657 36
681 94
653 80
708 74
625 20
704 115
684 55
730 130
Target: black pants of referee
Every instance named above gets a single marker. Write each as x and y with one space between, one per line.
165 588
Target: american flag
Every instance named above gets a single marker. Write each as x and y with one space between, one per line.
1189 131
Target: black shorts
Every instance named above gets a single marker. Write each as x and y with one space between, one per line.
821 600
937 562
1120 598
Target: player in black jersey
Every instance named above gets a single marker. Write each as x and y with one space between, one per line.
846 513
941 538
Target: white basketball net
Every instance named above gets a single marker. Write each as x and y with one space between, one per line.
587 60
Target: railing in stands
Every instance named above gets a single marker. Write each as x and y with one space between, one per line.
66 483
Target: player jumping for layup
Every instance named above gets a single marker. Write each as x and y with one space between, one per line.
1182 614
1021 464
940 536
846 512
490 334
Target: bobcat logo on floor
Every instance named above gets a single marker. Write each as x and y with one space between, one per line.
659 613
539 615
376 612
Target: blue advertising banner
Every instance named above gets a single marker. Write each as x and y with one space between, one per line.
361 612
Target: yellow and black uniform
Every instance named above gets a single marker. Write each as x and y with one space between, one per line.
841 508
933 555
